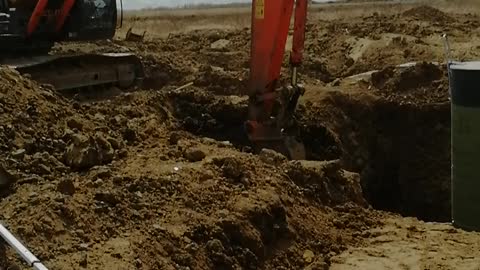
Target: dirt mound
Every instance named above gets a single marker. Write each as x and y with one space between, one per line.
419 83
43 133
342 49
428 13
113 182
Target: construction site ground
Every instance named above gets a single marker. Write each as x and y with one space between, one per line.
159 177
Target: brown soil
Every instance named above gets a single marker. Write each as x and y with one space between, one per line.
159 178
428 13
424 83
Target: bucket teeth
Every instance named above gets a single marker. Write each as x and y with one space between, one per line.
131 36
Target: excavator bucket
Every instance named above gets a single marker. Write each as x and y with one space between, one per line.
271 121
131 36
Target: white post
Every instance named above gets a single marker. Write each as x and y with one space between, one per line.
21 249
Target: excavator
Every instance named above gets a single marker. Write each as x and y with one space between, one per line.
29 29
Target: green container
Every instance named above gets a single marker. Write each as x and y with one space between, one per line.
465 92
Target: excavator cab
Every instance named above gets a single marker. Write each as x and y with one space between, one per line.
34 25
92 19
29 29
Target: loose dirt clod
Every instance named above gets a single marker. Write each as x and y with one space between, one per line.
66 187
194 154
86 152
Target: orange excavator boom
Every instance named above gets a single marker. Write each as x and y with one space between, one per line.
36 16
271 111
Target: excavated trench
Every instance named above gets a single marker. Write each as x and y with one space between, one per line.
401 151
222 118
403 155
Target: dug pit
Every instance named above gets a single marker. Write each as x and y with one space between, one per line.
395 133
402 152
394 129
223 117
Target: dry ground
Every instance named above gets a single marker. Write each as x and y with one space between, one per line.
158 178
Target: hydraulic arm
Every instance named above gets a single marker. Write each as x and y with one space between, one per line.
271 121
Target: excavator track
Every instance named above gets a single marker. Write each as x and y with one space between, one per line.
66 72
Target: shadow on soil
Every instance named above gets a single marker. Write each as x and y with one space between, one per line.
402 151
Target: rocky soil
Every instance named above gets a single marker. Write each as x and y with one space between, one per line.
161 178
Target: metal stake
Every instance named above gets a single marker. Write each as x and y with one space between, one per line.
447 48
449 59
